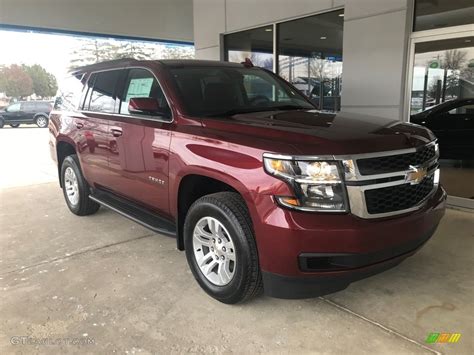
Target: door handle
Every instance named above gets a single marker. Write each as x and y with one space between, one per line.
79 125
116 132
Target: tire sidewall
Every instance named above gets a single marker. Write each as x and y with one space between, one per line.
2 122
70 162
234 288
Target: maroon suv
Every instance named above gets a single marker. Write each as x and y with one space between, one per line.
259 188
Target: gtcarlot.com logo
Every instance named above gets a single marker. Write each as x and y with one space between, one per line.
443 338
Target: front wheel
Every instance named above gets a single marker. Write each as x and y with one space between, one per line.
221 249
2 122
41 121
76 189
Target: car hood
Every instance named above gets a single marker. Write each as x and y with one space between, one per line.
314 132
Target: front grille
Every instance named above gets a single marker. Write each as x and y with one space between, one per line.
399 197
393 163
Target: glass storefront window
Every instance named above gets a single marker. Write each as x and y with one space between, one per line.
430 14
442 99
256 44
310 57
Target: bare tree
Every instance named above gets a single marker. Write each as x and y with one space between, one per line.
454 59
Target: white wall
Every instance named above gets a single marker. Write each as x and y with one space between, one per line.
154 19
374 45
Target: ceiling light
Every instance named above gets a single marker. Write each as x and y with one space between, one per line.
467 40
341 15
268 29
323 37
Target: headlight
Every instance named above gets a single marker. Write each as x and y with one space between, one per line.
318 185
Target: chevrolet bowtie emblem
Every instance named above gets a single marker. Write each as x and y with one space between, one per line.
415 175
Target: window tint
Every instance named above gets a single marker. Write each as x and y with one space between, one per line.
27 106
463 110
69 93
216 90
102 97
142 83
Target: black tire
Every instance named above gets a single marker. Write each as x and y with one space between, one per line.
231 211
85 206
41 121
14 125
2 122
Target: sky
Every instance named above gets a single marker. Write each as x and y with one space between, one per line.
51 51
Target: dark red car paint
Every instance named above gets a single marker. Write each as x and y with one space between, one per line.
231 151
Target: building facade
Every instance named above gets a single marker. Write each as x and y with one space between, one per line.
389 58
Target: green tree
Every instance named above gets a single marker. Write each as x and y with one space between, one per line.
16 82
44 83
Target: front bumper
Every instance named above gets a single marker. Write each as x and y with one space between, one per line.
323 283
307 254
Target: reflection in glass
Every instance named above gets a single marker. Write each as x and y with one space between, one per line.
432 14
256 44
310 57
442 99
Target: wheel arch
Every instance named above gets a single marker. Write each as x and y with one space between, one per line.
64 148
207 183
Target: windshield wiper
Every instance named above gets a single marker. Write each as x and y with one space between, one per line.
236 111
287 107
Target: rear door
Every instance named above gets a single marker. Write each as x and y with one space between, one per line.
28 110
139 144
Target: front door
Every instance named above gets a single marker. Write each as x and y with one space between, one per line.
139 144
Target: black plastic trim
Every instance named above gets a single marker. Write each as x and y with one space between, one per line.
138 214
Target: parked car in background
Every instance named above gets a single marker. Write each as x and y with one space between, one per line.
26 112
259 188
453 123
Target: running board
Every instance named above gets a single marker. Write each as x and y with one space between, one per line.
136 213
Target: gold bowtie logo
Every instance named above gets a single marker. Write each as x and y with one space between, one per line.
416 175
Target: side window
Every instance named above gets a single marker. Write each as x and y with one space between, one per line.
69 93
14 107
142 83
29 106
467 109
102 96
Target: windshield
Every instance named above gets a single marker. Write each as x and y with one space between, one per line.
223 91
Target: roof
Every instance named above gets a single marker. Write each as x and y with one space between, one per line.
172 63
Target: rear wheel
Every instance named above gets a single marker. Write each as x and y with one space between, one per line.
15 125
41 121
76 189
221 249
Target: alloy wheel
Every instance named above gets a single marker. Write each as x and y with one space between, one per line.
41 121
214 251
72 187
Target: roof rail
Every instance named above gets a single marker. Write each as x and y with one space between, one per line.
121 61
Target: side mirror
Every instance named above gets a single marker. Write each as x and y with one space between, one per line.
145 106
